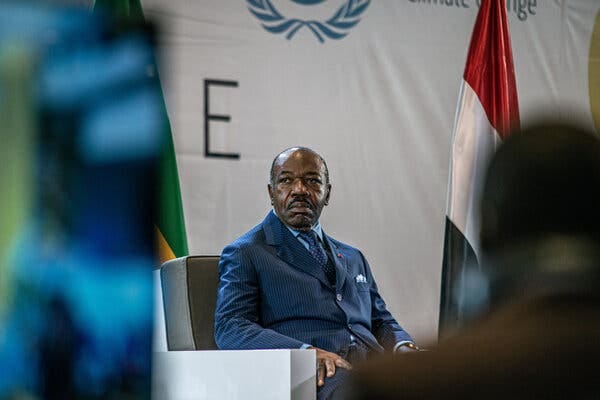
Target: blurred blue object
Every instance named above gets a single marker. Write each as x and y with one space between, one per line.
79 321
39 24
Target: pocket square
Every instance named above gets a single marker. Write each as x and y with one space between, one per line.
360 278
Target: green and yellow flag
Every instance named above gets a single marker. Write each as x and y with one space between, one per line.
16 152
170 225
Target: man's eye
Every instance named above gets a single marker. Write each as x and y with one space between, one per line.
315 181
285 180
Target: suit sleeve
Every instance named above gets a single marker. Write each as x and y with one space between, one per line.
237 314
384 326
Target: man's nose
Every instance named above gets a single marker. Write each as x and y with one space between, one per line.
298 187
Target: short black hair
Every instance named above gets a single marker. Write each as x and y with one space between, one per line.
292 150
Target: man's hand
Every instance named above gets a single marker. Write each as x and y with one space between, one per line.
326 364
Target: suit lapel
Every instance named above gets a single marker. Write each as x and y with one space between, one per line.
289 249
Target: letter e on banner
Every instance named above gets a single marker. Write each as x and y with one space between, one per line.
214 117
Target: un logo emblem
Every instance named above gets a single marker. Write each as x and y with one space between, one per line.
335 27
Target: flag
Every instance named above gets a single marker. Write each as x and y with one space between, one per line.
17 152
170 226
487 111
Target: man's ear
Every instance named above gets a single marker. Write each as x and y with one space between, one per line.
328 193
270 190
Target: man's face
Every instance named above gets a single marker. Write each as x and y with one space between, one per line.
299 190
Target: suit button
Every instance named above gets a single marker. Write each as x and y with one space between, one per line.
338 297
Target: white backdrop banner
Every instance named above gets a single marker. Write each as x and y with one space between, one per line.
370 85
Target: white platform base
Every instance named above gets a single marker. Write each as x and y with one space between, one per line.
234 375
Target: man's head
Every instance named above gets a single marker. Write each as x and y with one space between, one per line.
299 187
543 181
540 221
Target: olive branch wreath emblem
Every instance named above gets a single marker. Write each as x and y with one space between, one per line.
336 27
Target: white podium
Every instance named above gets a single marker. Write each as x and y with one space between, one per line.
234 375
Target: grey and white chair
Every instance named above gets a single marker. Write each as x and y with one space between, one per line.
189 290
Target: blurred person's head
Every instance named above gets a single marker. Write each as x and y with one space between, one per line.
540 222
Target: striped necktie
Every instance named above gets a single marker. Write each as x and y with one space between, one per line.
318 253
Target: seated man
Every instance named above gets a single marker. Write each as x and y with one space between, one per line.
540 241
286 284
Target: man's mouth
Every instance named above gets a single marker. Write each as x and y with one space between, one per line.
300 206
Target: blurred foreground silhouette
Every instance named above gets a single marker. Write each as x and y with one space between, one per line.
538 294
81 129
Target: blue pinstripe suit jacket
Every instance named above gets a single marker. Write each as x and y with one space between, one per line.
272 295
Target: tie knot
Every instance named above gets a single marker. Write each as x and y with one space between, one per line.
310 237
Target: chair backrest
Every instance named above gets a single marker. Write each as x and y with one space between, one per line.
189 286
159 337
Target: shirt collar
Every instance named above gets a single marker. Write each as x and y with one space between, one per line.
316 228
